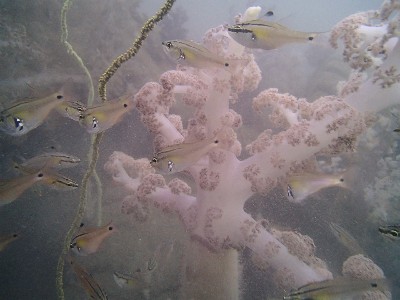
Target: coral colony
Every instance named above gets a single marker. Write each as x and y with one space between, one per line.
213 212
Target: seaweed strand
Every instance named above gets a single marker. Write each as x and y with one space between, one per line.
131 52
99 196
64 39
93 155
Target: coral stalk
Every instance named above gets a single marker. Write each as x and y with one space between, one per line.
215 214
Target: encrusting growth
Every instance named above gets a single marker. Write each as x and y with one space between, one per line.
131 52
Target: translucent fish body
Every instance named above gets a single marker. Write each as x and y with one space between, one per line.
24 116
193 54
6 240
54 160
304 185
178 157
128 281
13 188
346 239
338 288
92 288
266 35
88 241
102 117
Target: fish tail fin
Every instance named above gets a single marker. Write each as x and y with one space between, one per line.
384 285
317 39
16 162
224 137
16 166
348 178
69 259
312 35
66 91
235 64
111 226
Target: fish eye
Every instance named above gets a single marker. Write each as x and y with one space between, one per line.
154 160
341 179
226 65
374 285
15 235
59 97
216 141
169 45
18 123
394 233
253 37
170 166
269 13
94 122
110 228
40 175
181 55
125 105
290 191
310 38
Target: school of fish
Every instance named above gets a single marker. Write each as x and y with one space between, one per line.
23 116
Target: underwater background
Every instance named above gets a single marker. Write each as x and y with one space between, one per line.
35 63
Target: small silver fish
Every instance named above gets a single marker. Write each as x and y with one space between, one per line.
102 117
23 116
194 54
160 252
301 186
390 231
130 281
88 240
141 279
92 288
53 160
346 239
267 35
337 288
178 157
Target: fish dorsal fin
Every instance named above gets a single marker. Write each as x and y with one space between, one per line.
260 22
